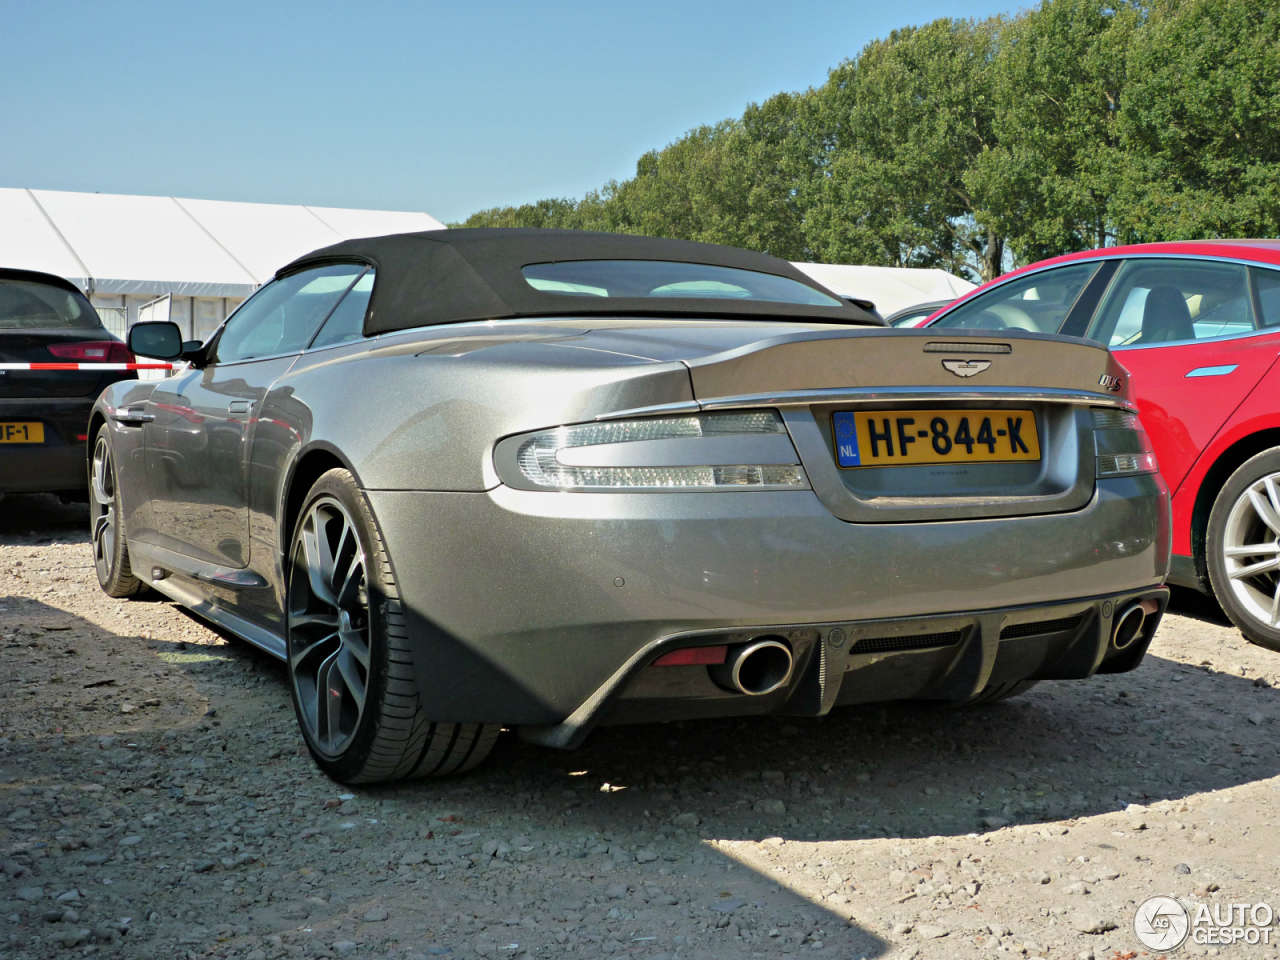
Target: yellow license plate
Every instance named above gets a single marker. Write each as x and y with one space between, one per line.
21 432
895 438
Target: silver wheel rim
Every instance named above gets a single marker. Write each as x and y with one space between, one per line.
1251 550
102 487
328 626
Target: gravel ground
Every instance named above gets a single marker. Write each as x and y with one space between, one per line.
156 801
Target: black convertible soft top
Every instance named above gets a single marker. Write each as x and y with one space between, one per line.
447 276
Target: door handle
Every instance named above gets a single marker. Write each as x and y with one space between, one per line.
1219 371
239 406
133 417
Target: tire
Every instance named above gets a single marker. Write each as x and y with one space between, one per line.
351 641
1245 581
106 528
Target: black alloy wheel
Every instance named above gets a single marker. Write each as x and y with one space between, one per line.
106 526
349 658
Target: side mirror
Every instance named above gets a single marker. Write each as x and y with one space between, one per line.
159 340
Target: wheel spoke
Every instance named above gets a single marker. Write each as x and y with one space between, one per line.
353 642
332 694
1275 604
351 582
324 731
323 648
1272 495
1253 569
323 618
311 540
1263 509
1253 550
102 474
351 675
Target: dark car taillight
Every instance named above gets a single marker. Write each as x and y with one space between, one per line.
93 351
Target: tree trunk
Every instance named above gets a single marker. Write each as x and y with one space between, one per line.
993 257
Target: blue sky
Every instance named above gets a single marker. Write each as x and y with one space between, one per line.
446 108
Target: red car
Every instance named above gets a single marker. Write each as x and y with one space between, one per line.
1197 325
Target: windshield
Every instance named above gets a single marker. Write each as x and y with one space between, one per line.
26 305
667 279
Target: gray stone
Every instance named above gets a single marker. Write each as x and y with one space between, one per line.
69 896
931 931
1182 868
345 948
617 891
645 856
376 915
771 806
29 894
728 906
687 821
1092 923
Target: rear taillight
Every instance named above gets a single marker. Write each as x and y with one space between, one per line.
1122 445
93 351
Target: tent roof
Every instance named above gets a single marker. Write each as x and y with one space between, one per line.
111 243
890 288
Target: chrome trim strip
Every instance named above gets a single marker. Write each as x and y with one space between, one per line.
1258 332
793 398
1219 371
658 409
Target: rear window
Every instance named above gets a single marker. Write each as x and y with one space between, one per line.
665 279
26 305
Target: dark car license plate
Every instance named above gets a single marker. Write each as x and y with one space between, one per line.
21 432
889 438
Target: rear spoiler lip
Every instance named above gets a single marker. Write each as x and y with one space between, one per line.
794 398
800 398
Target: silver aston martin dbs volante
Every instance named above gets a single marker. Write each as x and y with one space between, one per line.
474 479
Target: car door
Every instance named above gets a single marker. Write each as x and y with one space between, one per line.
197 445
1189 332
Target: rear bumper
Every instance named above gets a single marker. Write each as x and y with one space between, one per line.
60 462
526 607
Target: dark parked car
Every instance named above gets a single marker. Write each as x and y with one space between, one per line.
470 479
910 316
52 346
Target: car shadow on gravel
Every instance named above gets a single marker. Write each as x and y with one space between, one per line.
33 518
68 677
1196 605
1064 750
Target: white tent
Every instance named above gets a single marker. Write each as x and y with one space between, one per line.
890 288
205 255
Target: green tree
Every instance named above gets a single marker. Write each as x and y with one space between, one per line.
901 126
1057 82
1199 152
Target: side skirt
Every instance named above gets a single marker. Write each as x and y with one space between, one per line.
263 639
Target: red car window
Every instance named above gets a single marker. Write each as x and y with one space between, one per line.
1268 283
1174 300
1038 302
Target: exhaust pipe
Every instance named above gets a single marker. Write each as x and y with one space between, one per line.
760 667
1129 622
